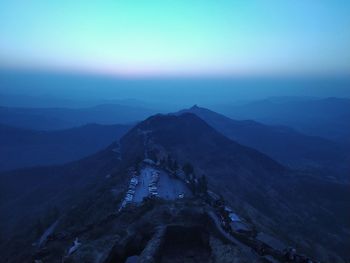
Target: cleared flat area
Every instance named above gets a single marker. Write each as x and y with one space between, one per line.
167 187
141 190
170 188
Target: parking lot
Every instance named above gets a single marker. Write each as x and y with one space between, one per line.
159 183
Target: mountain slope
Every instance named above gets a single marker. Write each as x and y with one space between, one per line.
188 130
283 144
24 148
319 117
32 199
297 207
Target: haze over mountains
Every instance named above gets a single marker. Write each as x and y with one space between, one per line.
320 117
324 117
26 148
68 90
281 164
63 118
330 158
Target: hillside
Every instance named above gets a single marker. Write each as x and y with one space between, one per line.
292 148
25 148
317 117
297 207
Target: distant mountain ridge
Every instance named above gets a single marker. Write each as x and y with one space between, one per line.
64 118
326 117
26 148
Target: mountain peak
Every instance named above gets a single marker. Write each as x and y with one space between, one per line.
186 120
186 133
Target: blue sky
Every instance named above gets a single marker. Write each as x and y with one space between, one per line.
177 37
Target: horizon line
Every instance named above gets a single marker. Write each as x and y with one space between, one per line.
74 71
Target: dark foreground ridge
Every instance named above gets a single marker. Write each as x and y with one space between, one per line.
196 226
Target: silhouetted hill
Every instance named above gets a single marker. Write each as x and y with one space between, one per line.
189 130
283 144
320 117
24 148
63 118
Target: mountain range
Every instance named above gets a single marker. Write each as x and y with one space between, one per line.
284 144
26 148
22 147
64 118
305 211
324 117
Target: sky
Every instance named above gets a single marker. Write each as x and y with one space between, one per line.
177 38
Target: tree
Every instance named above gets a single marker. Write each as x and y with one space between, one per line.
188 169
137 164
203 184
175 166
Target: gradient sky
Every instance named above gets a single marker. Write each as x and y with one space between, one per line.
177 37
